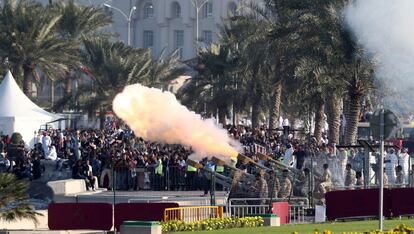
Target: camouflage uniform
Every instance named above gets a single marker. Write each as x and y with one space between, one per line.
285 187
350 178
261 189
302 187
326 181
400 178
385 178
273 180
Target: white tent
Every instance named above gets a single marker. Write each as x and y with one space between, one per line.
18 113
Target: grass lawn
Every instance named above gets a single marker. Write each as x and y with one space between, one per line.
336 227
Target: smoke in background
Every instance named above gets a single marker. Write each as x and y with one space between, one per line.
158 116
385 28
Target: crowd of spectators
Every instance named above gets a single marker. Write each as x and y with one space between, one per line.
98 155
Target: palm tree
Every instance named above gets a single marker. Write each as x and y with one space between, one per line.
255 59
28 40
112 66
76 23
359 82
214 87
13 199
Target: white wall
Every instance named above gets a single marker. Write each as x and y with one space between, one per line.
163 24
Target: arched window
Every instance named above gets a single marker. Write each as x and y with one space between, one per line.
59 91
148 10
232 9
176 10
208 10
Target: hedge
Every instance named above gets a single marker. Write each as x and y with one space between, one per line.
212 224
400 229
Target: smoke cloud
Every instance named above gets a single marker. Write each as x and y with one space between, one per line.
158 116
385 28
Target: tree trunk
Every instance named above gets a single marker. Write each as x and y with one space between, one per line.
102 119
353 106
274 112
319 120
222 110
333 113
27 77
255 114
52 93
235 116
68 86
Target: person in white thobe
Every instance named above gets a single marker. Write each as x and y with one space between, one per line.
52 154
403 159
46 142
288 159
390 161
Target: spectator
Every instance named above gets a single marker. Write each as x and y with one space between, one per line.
52 154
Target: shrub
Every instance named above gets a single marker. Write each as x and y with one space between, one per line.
400 229
212 224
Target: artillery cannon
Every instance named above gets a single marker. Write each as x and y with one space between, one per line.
239 182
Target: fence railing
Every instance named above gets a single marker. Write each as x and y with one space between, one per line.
241 207
193 213
198 200
172 178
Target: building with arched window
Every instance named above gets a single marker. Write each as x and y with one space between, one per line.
169 25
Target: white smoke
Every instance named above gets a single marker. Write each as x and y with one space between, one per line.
158 116
385 28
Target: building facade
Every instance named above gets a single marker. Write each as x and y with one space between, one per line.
169 25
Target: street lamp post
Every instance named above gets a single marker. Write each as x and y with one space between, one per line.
198 8
128 18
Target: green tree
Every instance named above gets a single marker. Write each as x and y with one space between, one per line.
77 22
112 66
214 88
13 199
28 40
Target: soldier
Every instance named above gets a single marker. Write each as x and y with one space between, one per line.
260 185
359 179
285 185
326 180
350 176
343 161
400 178
303 187
385 178
273 180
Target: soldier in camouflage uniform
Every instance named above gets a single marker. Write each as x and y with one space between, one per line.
273 180
302 186
350 176
285 185
385 179
400 177
326 180
260 185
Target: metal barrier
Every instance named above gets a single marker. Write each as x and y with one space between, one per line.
201 201
173 178
240 207
193 213
296 214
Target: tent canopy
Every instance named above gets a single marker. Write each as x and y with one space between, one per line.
18 113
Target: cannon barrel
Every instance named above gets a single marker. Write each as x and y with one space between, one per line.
220 162
276 163
244 159
241 180
225 181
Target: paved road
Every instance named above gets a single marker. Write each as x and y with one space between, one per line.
182 197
